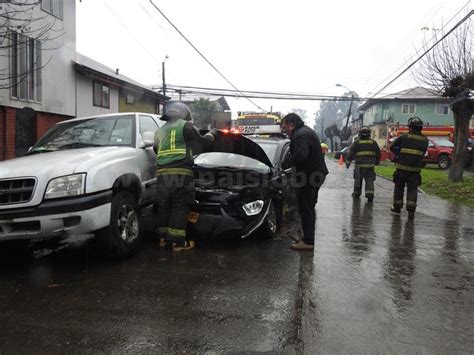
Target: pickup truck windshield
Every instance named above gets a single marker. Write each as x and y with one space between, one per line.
94 132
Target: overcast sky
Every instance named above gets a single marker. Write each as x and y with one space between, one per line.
268 45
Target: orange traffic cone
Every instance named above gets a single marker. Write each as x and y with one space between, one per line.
341 160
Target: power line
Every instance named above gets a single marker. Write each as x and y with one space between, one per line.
425 53
414 54
202 55
261 94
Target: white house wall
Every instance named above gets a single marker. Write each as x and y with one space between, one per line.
58 75
85 105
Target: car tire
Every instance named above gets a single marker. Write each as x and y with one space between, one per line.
121 238
272 223
443 162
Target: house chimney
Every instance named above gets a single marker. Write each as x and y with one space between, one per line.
117 71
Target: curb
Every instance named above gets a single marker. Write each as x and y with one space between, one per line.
388 179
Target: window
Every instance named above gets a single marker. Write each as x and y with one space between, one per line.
159 108
147 124
101 94
54 7
408 108
441 109
129 98
25 67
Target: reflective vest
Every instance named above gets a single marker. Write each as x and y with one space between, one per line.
366 153
172 147
412 149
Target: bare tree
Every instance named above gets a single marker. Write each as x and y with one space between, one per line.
448 69
25 31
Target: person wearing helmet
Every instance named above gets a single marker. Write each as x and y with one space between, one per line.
409 149
174 175
366 153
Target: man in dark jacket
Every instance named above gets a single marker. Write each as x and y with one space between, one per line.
409 150
366 153
174 174
310 170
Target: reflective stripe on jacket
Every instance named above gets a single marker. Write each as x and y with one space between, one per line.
366 153
171 147
411 147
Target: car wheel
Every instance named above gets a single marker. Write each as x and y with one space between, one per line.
272 223
443 162
121 238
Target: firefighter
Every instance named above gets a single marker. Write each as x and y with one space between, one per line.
366 153
409 150
174 175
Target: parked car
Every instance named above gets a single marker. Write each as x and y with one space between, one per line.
242 186
84 176
344 152
439 152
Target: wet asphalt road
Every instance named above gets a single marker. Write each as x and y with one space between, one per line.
376 283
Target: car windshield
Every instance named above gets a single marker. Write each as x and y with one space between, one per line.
230 160
270 149
94 132
445 143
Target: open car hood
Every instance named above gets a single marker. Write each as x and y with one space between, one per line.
237 144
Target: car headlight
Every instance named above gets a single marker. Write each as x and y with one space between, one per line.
64 186
253 208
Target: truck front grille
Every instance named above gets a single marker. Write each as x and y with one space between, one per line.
16 190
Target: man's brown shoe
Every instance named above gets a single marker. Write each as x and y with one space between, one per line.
302 246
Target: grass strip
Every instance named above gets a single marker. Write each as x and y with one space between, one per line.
435 182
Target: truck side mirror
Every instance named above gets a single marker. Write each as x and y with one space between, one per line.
148 139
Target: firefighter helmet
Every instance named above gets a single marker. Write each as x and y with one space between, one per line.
365 132
176 110
415 122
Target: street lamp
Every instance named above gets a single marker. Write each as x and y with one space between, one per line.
349 111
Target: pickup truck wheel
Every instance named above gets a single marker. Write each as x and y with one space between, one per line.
272 223
443 161
121 238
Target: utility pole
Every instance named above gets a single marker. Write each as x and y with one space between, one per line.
163 74
322 127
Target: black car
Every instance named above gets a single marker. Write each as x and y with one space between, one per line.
344 152
242 186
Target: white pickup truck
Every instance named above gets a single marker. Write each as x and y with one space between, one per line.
85 175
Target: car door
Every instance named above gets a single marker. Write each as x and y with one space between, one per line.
147 158
283 170
431 152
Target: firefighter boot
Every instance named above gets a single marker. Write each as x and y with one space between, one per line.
396 209
188 245
411 214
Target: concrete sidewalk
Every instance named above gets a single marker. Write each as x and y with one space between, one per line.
380 283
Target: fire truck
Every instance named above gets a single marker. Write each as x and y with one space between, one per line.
432 132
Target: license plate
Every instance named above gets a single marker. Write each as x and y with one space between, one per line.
193 217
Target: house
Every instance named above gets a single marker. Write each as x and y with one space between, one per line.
101 90
37 81
44 81
397 108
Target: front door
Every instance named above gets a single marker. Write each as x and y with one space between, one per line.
25 130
